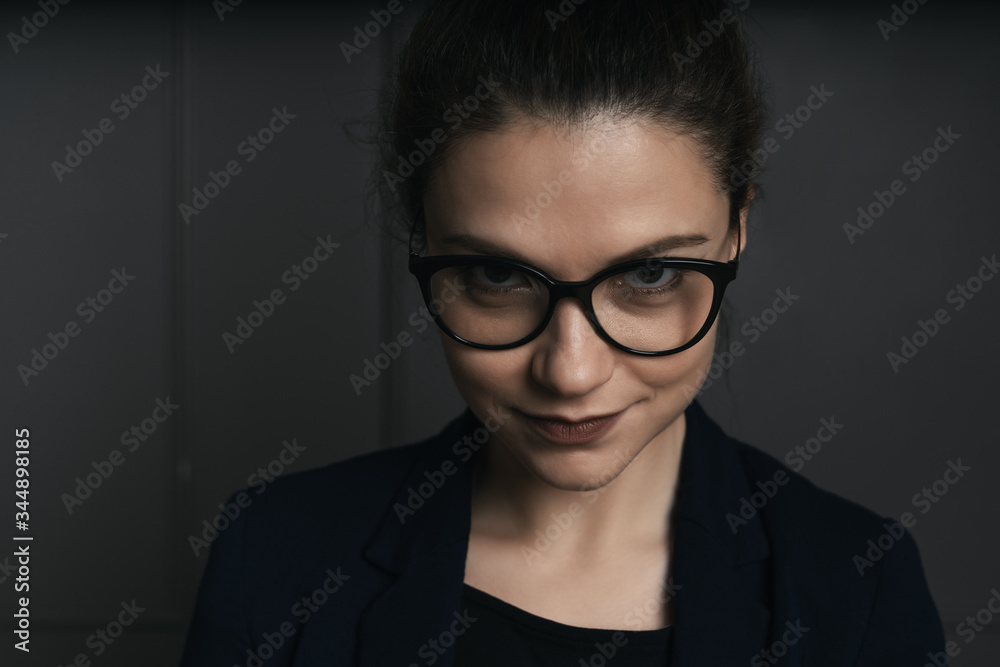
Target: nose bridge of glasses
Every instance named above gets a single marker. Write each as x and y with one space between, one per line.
560 291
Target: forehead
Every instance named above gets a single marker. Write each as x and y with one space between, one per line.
569 198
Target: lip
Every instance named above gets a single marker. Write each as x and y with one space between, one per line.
572 432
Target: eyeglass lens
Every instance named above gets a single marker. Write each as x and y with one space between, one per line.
651 309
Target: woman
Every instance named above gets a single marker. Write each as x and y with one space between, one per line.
570 178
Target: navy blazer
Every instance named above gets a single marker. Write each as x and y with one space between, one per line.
343 565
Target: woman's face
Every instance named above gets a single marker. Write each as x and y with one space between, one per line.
573 202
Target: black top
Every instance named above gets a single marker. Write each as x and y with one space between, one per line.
503 634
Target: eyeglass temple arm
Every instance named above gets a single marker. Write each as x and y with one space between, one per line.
418 221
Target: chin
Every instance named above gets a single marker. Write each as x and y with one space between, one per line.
575 468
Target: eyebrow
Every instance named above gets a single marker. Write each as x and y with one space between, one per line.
655 249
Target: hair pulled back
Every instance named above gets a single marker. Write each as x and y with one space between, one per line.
474 66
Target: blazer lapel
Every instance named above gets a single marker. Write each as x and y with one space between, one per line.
426 551
719 577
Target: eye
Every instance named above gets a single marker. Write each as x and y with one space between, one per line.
496 275
650 277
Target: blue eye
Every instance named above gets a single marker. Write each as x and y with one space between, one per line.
650 277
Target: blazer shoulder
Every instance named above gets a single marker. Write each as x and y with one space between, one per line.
337 507
364 482
361 486
794 504
841 555
276 542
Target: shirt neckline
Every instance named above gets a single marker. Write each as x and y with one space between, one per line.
548 627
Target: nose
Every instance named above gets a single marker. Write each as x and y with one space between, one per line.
570 358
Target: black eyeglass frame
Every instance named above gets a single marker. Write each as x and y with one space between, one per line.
720 273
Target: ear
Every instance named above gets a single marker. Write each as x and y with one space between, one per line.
744 214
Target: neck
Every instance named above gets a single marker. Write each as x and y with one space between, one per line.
632 510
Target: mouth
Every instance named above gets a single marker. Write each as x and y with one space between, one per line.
572 432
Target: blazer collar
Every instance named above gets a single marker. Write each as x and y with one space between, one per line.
432 509
423 540
719 577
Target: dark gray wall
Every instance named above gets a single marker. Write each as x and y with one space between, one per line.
162 335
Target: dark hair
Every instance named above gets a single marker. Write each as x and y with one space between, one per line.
686 65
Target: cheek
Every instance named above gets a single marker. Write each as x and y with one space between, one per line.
679 375
486 377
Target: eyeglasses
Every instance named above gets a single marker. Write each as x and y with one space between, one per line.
651 307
